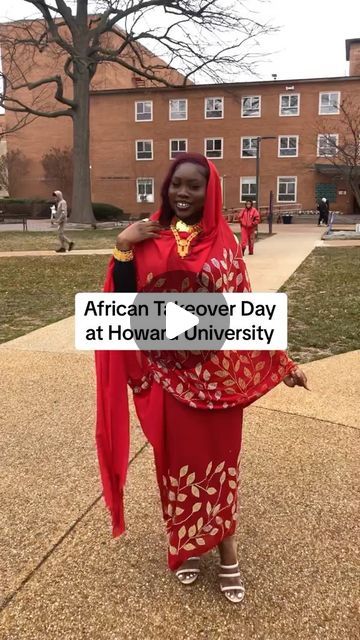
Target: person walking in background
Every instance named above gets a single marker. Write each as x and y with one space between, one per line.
60 220
323 209
249 218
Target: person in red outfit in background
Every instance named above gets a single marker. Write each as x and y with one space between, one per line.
249 218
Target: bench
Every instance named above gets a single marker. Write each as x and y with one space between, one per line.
14 218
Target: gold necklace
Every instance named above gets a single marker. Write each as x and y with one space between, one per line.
183 244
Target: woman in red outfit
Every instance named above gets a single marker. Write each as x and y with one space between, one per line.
190 404
249 219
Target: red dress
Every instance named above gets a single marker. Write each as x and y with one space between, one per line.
189 404
249 219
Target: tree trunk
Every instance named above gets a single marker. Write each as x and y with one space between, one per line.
355 187
81 210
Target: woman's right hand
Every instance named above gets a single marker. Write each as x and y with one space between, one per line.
137 232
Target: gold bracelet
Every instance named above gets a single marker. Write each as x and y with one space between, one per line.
123 256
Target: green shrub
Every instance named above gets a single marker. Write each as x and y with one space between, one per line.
107 212
32 208
37 208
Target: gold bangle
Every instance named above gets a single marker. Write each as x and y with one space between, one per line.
123 256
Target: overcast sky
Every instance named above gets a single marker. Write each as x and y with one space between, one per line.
310 41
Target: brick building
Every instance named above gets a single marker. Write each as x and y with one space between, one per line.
135 130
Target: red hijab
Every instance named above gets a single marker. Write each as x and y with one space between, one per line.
205 380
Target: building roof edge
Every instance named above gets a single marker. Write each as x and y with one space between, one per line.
225 85
348 44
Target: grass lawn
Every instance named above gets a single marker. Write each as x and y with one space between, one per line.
324 296
47 240
35 292
324 304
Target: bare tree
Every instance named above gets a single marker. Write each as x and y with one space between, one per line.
215 37
13 164
58 168
342 150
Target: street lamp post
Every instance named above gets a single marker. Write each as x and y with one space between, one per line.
224 191
258 146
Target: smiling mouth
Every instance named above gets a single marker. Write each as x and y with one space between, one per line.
183 206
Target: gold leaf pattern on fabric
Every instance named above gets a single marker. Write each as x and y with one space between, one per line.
195 491
182 533
227 379
192 531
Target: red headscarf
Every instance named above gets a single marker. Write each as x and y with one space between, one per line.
206 380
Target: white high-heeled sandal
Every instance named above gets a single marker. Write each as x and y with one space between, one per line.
233 593
188 576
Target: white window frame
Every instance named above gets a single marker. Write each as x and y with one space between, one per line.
326 135
213 110
326 93
214 157
241 147
257 115
177 140
243 180
279 178
297 146
136 111
152 197
137 150
186 108
289 95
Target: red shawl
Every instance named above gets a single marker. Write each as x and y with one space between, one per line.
204 380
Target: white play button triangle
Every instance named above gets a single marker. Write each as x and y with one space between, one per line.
178 320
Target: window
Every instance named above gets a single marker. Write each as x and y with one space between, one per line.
288 146
251 107
290 104
248 147
178 109
144 149
177 146
287 189
143 111
247 189
214 107
327 145
145 190
329 103
214 147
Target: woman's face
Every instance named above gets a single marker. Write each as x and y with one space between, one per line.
187 192
248 204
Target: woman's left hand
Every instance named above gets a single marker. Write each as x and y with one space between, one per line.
296 378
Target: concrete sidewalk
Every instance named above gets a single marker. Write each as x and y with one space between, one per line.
63 577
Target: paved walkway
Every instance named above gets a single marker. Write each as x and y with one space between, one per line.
63 577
